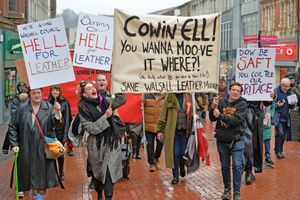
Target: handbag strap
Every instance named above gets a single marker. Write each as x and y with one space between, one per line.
40 128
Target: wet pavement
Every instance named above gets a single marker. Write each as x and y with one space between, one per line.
281 182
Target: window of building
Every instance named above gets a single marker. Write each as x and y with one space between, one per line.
226 35
289 15
250 24
269 19
12 6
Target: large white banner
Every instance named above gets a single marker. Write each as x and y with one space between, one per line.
46 53
165 53
255 70
94 42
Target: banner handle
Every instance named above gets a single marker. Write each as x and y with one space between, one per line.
16 175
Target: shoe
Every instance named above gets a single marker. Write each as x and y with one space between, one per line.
91 186
62 177
71 153
138 158
280 156
5 151
226 195
152 168
258 169
156 160
249 178
237 196
21 194
175 180
269 161
182 169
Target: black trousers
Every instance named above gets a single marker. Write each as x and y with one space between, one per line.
107 187
6 142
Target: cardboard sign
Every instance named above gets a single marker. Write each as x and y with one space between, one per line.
255 70
94 42
46 52
165 53
21 69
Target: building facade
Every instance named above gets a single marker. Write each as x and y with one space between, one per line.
280 18
202 7
13 13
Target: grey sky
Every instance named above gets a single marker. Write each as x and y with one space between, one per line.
107 6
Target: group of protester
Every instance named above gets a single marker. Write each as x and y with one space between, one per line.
242 128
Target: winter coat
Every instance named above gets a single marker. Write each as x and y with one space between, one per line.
167 125
284 109
267 132
62 131
35 171
152 109
104 158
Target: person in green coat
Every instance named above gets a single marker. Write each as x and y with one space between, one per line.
267 131
175 124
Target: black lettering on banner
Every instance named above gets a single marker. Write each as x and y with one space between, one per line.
148 62
129 87
181 64
126 24
189 30
127 47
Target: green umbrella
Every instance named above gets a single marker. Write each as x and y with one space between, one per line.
16 175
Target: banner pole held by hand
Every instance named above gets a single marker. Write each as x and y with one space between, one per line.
16 175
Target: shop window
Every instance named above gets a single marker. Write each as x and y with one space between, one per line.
10 81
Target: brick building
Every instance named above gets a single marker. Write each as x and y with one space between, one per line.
280 18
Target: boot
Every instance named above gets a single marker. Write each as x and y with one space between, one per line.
237 196
249 178
226 195
61 161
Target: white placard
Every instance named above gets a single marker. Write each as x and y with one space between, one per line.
292 99
46 53
94 42
255 70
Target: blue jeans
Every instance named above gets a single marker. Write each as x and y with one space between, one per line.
281 130
237 153
267 148
150 137
180 142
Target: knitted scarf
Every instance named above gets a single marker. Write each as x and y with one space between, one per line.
87 107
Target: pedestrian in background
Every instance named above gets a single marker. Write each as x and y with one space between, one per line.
20 98
175 125
282 118
267 132
230 115
153 104
55 95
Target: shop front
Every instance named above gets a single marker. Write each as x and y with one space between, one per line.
12 51
286 58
